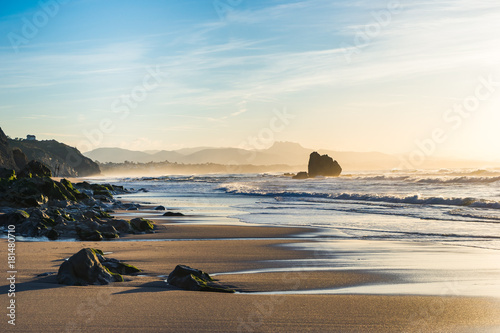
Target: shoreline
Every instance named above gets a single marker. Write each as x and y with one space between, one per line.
145 302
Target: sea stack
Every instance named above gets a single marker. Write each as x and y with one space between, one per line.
320 165
323 165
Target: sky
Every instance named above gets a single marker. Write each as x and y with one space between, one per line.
419 78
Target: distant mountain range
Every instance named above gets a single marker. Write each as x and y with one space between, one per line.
281 153
284 153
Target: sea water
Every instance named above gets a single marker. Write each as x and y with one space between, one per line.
445 223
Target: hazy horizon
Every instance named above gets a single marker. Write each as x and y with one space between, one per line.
419 79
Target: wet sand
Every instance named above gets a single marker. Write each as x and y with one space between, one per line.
147 303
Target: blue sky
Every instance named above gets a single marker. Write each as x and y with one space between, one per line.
355 75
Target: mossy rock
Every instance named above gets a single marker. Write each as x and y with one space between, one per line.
189 278
7 174
74 192
105 193
142 225
91 236
115 266
49 222
97 251
109 235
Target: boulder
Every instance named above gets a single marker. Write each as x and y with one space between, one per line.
189 278
160 208
32 228
142 225
35 169
118 267
301 175
323 165
7 174
13 218
173 214
122 226
52 234
85 268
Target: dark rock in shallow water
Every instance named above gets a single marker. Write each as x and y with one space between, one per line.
14 218
173 214
323 165
160 208
301 175
142 225
35 169
189 278
32 228
52 234
84 268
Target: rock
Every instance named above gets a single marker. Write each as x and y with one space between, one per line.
19 158
7 174
64 160
142 225
108 231
189 278
121 226
323 165
6 155
85 268
301 175
115 266
32 228
14 218
173 214
160 208
132 208
35 169
89 235
52 234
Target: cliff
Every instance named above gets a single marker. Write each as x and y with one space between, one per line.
6 155
62 160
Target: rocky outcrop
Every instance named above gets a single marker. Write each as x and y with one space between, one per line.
89 267
323 165
6 155
320 165
35 169
42 207
301 175
61 159
142 225
189 278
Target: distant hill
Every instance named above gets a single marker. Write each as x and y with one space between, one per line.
63 160
120 155
281 153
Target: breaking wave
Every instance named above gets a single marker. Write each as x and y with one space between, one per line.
416 199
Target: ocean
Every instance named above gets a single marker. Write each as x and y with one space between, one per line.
445 223
459 207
